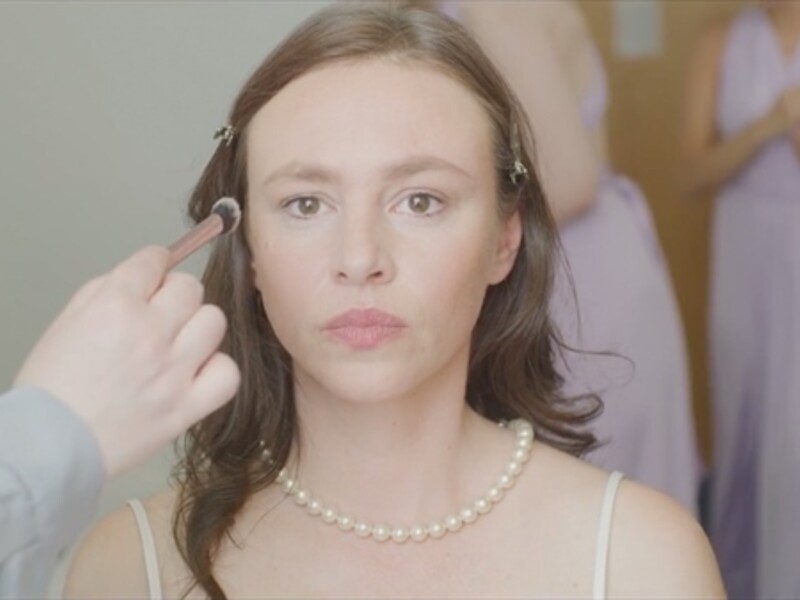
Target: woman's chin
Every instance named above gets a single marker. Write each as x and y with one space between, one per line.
365 383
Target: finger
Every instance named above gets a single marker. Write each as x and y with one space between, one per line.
199 338
216 383
143 273
85 294
176 301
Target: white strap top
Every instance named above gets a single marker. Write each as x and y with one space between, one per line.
604 537
600 561
149 549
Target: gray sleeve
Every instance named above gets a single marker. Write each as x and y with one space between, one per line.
51 475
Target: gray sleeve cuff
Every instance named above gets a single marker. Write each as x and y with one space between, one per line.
55 459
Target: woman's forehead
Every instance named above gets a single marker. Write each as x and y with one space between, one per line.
372 108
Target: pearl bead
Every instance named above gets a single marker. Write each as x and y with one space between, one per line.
505 481
301 497
362 529
495 494
329 515
419 533
436 530
345 522
314 507
452 522
468 515
400 534
520 424
381 532
514 468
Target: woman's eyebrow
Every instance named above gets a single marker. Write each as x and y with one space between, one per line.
419 164
317 173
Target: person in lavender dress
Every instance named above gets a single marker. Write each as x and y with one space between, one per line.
741 140
623 302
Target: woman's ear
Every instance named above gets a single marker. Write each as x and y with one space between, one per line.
508 244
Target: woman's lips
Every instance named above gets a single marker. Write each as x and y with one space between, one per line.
364 328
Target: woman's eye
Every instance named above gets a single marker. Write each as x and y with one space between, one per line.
422 204
306 206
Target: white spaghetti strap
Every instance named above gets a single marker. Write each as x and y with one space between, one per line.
149 549
604 537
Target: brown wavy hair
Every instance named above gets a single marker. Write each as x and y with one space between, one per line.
514 344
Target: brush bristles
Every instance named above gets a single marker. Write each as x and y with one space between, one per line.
229 210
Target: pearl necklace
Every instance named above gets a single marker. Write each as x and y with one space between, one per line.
418 533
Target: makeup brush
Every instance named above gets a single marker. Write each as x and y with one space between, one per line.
224 218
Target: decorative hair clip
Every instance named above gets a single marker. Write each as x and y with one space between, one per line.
518 172
227 133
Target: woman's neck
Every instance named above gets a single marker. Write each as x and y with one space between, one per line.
408 459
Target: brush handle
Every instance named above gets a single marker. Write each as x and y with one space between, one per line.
202 233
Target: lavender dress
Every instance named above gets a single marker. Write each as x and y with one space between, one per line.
625 305
755 330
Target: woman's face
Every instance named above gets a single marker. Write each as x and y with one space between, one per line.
373 222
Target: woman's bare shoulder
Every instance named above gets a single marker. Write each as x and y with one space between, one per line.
657 548
566 472
109 562
567 490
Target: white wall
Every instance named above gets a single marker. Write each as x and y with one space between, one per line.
106 116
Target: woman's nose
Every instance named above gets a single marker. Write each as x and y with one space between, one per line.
362 254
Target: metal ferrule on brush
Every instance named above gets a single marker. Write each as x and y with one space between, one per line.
223 218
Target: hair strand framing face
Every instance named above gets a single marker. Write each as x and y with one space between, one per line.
514 345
